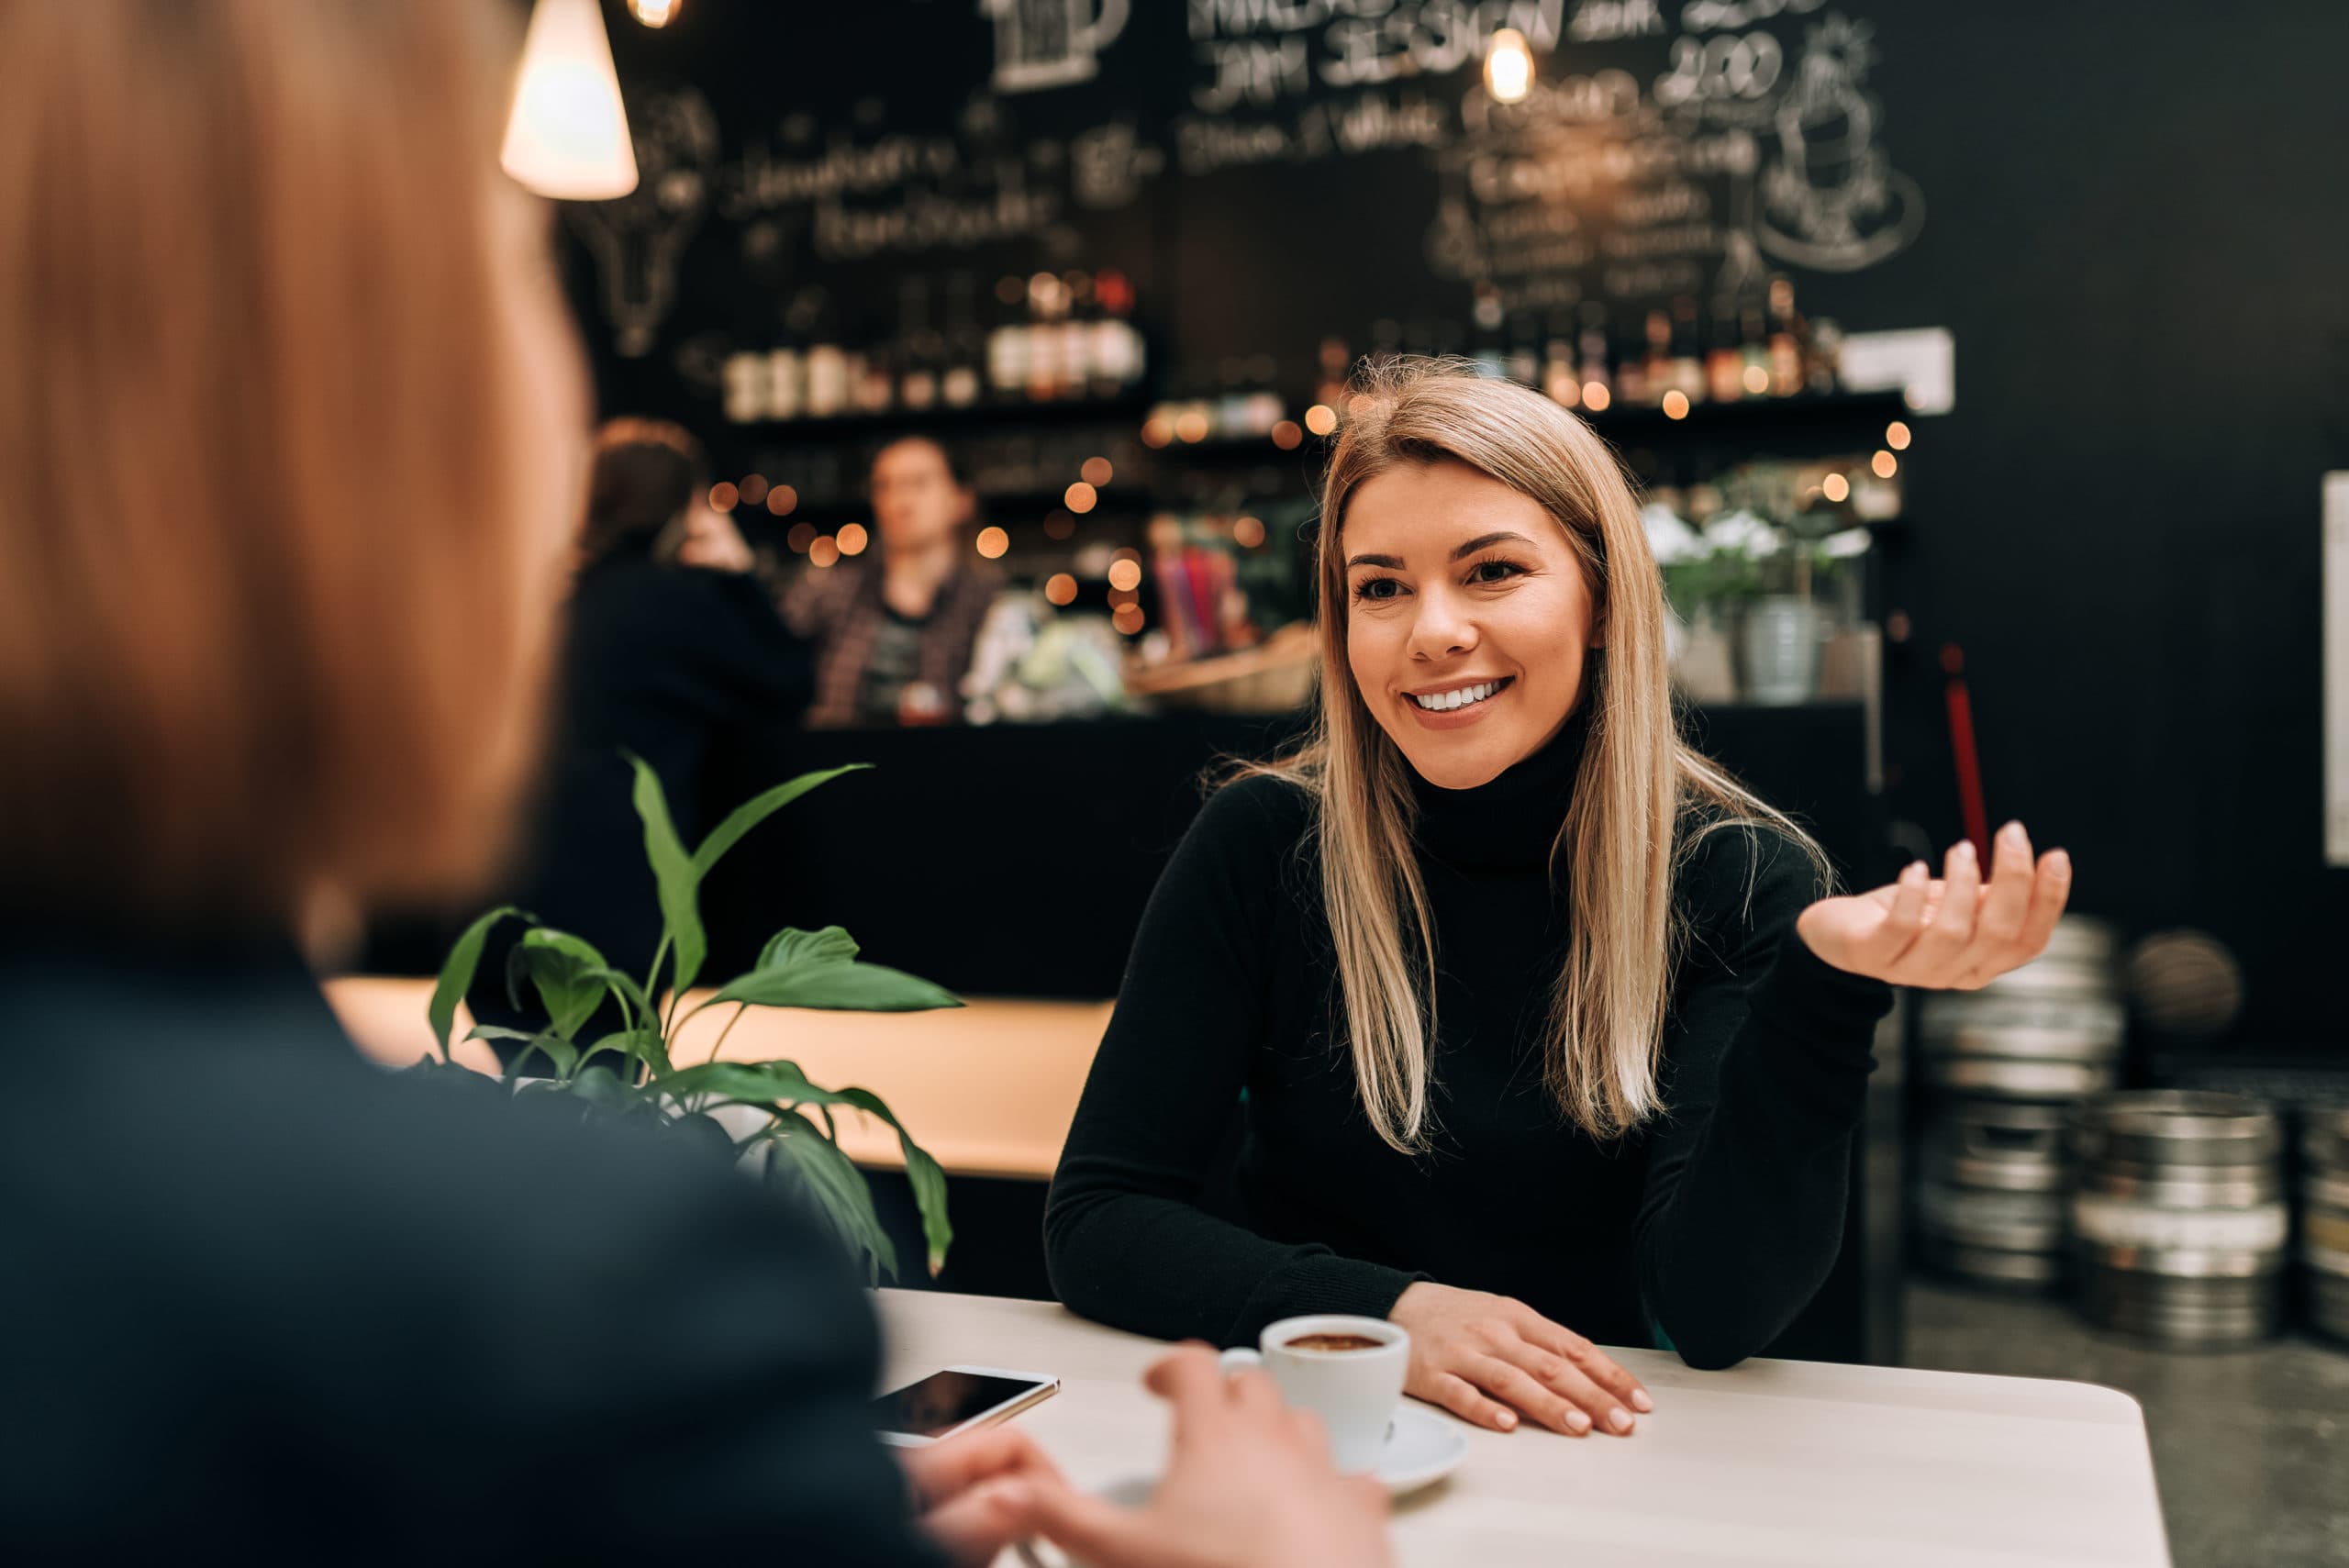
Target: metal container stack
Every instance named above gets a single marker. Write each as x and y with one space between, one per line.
2324 1236
2003 1065
2179 1217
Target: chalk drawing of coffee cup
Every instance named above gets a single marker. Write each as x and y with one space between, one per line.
1830 198
1050 43
637 240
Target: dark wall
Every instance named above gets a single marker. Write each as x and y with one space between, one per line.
2133 224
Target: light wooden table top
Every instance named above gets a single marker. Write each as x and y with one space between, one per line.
1784 1462
989 1088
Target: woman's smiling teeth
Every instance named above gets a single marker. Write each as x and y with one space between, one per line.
1459 697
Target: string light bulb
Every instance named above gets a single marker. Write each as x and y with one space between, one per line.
1509 67
653 13
567 135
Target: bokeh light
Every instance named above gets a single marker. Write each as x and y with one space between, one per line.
853 538
993 542
801 536
781 499
1096 470
1061 588
1321 419
723 496
1288 435
1125 575
1885 465
754 489
1676 404
1836 488
1126 619
1248 532
825 552
1897 436
1079 497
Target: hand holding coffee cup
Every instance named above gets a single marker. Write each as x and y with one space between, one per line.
1348 1371
1489 1358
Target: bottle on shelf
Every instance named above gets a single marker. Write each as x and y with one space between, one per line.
1119 357
1631 388
1753 346
1785 355
1485 317
1525 348
960 380
1657 358
1559 378
1076 336
786 391
873 383
1597 381
1330 387
829 389
743 378
1008 343
1045 370
1687 357
1823 363
1725 358
917 357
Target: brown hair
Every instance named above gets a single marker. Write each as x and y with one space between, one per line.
1641 801
647 473
266 619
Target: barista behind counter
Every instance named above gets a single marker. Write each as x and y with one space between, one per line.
894 636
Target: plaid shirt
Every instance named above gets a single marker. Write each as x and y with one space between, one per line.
839 609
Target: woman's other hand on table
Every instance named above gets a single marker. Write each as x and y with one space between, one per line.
1951 933
976 1494
1248 1484
1491 1359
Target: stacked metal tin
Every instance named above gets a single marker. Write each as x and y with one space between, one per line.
2002 1066
2179 1217
2324 1234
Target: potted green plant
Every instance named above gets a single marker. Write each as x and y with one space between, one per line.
782 1125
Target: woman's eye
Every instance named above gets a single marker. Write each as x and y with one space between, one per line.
1378 589
1494 572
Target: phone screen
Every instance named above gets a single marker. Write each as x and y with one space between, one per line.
942 1401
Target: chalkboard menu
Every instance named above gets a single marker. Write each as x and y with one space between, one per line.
1268 173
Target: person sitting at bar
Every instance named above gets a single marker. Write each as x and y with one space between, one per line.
672 649
893 636
1550 1033
290 421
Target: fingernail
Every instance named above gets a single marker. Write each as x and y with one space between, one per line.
1577 1420
1620 1420
1917 870
1641 1401
2060 862
2012 833
1509 1420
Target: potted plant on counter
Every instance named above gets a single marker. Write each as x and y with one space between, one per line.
765 1115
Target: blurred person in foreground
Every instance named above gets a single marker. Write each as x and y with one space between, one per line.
286 401
894 636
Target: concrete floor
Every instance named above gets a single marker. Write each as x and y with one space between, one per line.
2251 1448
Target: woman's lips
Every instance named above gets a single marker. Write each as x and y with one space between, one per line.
1456 718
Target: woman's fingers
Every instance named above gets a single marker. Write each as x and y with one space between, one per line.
1997 944
1460 1396
1935 958
2049 890
1514 1385
1593 1363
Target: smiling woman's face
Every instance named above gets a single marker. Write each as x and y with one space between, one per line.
1468 619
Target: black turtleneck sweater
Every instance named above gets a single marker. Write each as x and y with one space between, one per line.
1710 1226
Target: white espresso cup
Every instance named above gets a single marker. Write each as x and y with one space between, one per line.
1353 1391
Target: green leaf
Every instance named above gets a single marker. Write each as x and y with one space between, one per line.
630 1045
838 987
757 809
788 947
628 990
766 1083
567 971
834 1187
457 974
560 1051
678 881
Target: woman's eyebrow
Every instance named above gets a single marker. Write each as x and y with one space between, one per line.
1483 540
1394 562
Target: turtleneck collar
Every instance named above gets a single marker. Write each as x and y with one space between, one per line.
1511 823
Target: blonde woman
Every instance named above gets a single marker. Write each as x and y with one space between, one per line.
1545 1031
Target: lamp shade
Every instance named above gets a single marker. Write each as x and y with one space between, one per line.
567 137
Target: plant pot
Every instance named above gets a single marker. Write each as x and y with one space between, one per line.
1781 636
1701 662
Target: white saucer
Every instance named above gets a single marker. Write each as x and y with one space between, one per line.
1422 1448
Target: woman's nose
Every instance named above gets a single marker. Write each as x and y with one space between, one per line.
1441 628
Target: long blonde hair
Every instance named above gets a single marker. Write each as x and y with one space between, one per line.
1642 797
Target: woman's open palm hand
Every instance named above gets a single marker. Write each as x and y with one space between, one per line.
1954 933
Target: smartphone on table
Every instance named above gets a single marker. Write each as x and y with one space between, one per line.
957 1399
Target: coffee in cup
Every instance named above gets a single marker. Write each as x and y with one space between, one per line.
1348 1371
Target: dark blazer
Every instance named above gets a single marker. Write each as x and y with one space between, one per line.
263 1301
